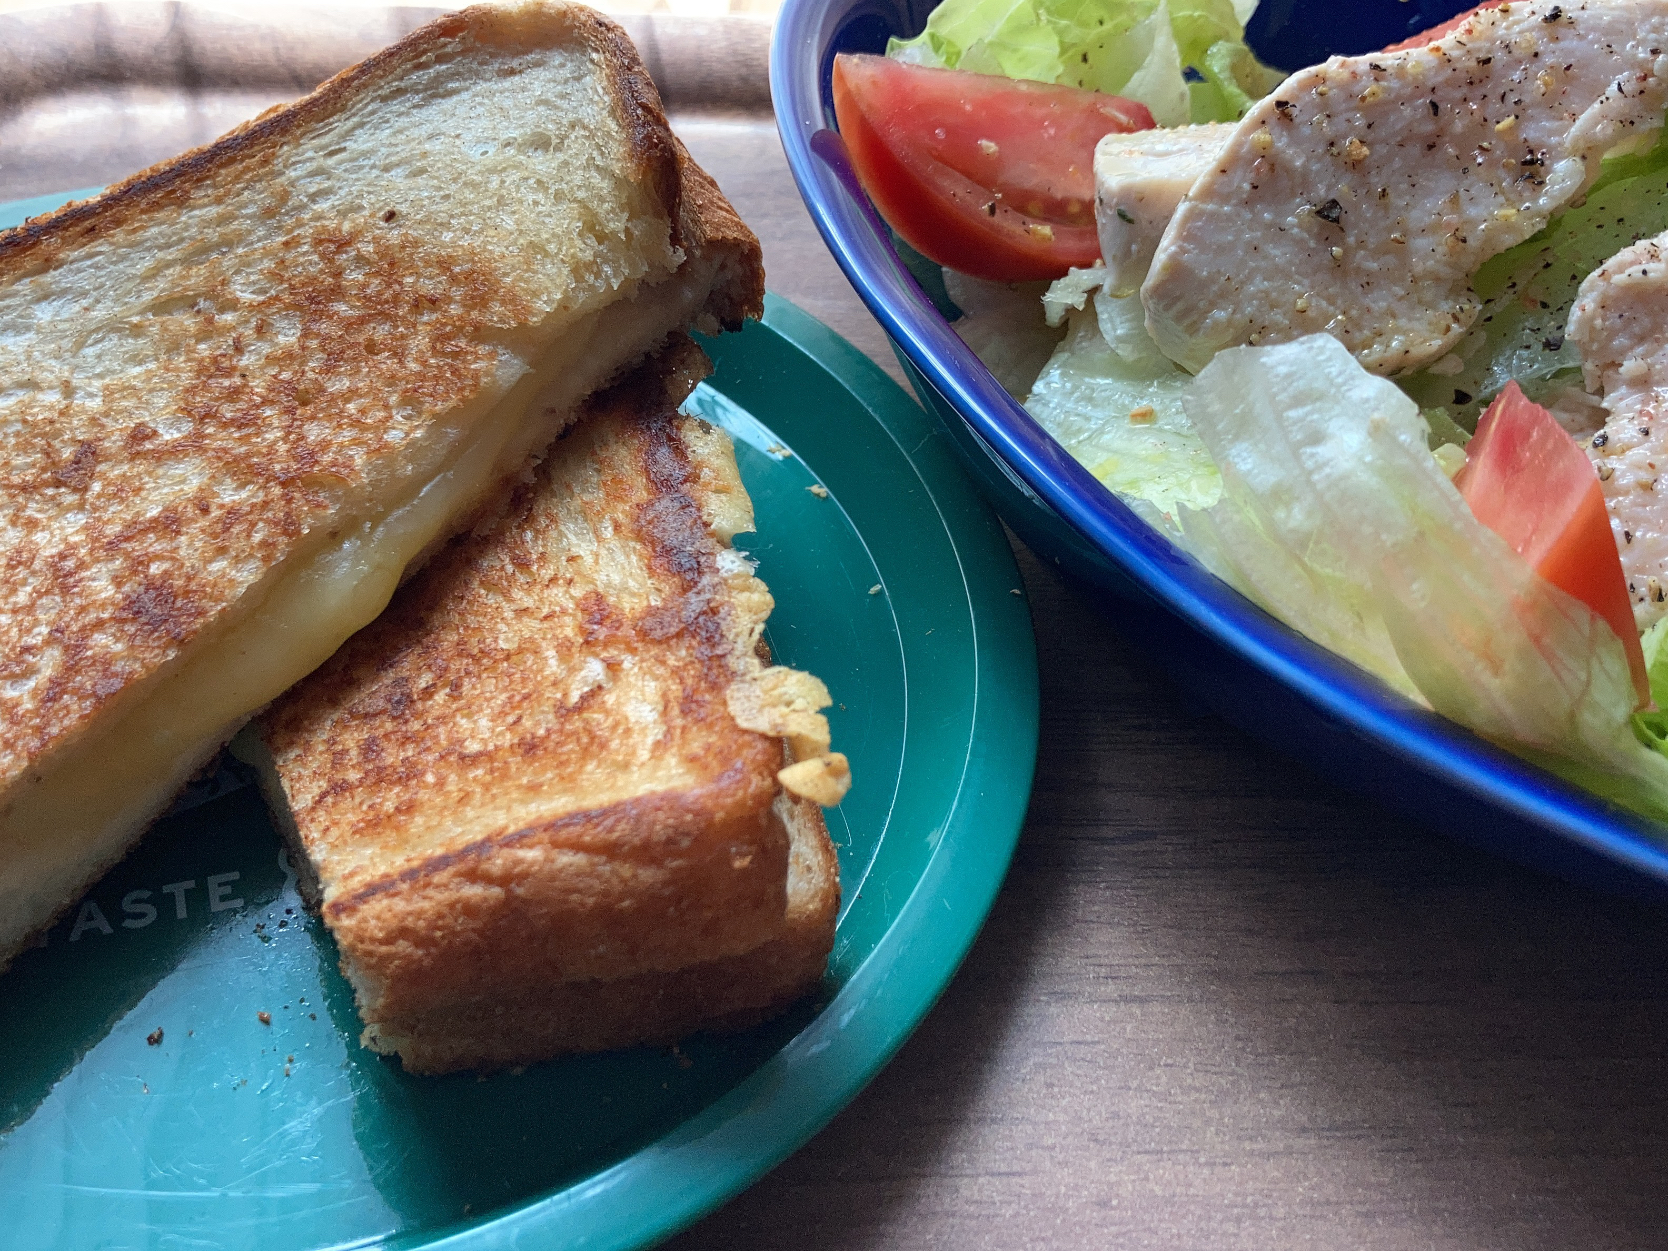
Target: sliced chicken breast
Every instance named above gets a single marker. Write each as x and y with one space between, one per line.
1140 178
1620 324
1362 194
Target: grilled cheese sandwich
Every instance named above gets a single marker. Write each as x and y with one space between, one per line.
553 800
246 391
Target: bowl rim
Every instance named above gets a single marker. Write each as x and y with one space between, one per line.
807 35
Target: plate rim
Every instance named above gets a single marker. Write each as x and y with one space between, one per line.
887 995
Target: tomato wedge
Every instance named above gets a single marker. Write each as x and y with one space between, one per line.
992 176
1528 481
1442 28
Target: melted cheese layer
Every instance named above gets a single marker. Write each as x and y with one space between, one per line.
82 812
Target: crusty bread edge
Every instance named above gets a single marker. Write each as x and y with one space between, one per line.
654 151
718 849
707 221
652 1009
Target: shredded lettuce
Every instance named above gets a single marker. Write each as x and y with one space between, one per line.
1528 292
1003 323
1335 516
1113 400
1234 80
1652 725
1444 429
1140 49
1072 292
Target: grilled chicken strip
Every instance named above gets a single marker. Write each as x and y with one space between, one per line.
1140 178
1361 195
1620 324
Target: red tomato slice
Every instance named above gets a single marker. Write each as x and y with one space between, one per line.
992 176
1442 28
1528 481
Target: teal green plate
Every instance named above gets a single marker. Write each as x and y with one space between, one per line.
228 1132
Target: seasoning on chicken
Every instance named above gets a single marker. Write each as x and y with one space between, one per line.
1361 195
1620 324
1140 178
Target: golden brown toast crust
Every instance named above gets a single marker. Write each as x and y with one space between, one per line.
708 222
41 241
125 600
516 758
591 895
732 993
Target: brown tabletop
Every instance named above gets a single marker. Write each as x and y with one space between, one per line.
1221 1002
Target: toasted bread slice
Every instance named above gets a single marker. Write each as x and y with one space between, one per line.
540 801
245 391
528 1024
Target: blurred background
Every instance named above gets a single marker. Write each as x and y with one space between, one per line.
92 92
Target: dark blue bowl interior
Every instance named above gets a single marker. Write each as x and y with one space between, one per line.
1219 647
1294 33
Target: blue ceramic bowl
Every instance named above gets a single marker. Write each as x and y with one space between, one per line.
1223 650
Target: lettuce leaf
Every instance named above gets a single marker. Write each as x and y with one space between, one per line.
1232 71
1003 323
1113 400
1651 725
1335 516
1072 292
1141 49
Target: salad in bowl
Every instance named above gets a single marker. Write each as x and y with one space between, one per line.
1379 343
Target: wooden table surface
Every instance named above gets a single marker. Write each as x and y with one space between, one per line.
1221 1002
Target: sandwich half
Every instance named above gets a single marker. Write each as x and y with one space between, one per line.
244 392
553 800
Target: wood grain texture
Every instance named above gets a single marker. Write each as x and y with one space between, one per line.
1220 1002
